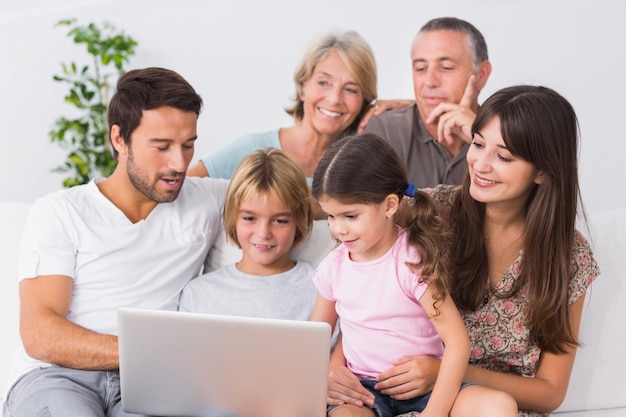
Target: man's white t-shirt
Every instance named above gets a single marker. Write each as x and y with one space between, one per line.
115 263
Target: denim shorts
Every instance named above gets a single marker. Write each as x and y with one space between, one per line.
385 406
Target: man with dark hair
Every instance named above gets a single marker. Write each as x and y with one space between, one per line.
450 67
133 239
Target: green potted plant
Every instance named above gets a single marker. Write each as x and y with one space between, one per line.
85 136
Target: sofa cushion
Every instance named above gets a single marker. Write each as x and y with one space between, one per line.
12 219
599 376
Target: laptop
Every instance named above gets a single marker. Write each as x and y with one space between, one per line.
190 364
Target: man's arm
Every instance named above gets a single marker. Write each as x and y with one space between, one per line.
47 335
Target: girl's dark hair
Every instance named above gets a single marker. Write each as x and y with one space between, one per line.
365 169
148 89
539 126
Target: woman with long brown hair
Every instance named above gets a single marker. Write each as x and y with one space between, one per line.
519 267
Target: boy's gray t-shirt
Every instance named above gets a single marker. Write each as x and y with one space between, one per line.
290 295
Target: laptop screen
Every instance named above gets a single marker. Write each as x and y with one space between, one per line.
190 364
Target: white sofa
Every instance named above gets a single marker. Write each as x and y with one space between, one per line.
598 384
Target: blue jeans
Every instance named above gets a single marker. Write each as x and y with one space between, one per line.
385 406
62 392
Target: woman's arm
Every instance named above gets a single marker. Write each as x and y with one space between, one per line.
379 108
409 377
198 170
546 391
415 375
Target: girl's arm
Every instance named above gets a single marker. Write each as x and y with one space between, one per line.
546 391
324 310
343 386
453 333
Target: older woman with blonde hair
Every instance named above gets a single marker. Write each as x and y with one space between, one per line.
335 83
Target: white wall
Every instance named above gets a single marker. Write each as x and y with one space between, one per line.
240 55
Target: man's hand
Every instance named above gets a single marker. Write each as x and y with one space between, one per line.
379 108
345 388
410 377
454 121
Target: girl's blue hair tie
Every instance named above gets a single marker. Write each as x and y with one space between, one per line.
410 190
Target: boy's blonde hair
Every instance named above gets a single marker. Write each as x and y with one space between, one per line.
269 170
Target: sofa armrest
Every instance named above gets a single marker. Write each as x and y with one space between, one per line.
598 380
12 219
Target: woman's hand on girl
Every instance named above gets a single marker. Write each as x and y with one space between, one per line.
410 377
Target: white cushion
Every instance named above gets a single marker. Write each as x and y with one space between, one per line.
12 219
599 376
613 412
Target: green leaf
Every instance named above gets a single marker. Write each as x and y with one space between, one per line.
86 137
